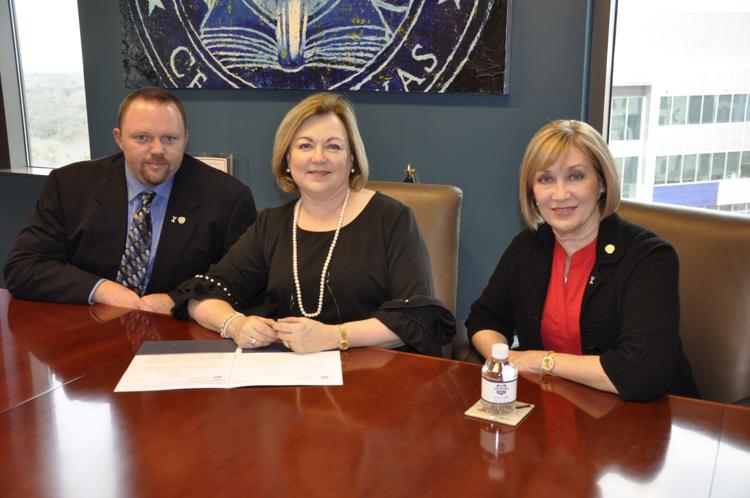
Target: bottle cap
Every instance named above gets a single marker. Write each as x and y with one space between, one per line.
500 351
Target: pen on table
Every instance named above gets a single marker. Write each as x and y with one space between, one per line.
518 407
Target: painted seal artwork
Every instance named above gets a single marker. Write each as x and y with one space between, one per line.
370 45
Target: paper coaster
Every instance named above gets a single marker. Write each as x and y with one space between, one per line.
519 410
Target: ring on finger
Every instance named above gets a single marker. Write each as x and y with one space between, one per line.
253 341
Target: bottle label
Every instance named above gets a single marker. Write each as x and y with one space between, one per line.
499 392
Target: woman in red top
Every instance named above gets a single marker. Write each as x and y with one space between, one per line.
589 296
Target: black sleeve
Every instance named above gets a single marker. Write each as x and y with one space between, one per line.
240 278
243 215
423 324
494 308
648 348
38 265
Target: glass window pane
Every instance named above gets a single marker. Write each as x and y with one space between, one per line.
629 177
674 169
704 168
53 91
617 126
690 76
725 105
717 165
739 102
745 165
665 109
689 165
694 109
709 109
733 165
660 172
634 118
679 105
630 171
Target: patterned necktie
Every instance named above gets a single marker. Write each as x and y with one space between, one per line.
132 270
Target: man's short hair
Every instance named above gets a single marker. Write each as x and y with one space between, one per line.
152 94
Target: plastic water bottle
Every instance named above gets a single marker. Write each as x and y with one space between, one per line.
499 381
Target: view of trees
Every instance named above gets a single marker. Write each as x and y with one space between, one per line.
56 119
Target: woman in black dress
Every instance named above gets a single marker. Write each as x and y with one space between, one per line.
341 266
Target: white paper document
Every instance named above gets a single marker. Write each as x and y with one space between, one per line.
165 365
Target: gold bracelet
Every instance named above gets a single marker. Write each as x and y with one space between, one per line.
548 363
343 338
226 322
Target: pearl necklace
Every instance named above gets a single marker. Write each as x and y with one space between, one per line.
295 269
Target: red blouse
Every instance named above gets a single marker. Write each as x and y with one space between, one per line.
561 318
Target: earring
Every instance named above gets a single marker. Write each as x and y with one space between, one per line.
288 171
352 171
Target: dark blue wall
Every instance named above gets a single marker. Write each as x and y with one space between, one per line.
472 141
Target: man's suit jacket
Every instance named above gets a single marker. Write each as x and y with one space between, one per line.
77 233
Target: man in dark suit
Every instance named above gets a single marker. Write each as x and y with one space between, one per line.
73 248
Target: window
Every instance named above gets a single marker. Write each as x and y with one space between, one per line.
725 106
48 79
679 107
626 118
619 105
633 130
700 109
739 103
665 110
689 164
733 165
709 109
745 165
694 109
627 169
674 169
688 61
660 173
717 166
704 168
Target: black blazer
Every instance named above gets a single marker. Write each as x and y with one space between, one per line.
629 315
77 233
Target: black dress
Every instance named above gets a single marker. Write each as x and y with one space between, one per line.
379 269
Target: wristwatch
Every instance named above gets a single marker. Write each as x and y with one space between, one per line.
343 338
548 362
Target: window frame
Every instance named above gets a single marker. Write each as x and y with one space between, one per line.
601 51
15 120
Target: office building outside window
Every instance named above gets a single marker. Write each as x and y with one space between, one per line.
679 116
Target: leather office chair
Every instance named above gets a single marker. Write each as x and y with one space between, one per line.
437 209
714 252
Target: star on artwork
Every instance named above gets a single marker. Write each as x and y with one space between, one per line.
152 4
457 2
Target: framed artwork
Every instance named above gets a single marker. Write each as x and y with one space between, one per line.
220 161
337 45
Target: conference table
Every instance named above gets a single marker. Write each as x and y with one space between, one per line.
396 427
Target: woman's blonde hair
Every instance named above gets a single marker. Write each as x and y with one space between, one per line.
315 105
553 141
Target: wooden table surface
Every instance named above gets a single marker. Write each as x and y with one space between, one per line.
395 428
